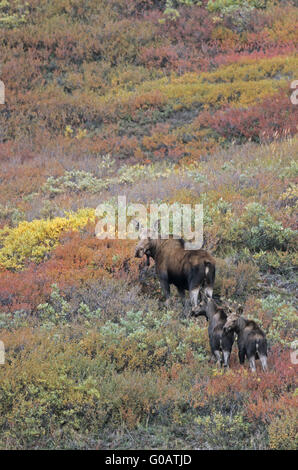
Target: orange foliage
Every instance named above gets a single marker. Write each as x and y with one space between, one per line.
79 258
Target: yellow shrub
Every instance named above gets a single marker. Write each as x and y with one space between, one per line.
283 433
253 69
33 240
241 84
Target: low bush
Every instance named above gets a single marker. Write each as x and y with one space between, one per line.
272 118
32 241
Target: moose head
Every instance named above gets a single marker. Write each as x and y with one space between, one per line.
147 240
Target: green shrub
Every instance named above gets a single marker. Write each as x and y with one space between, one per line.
260 231
235 280
228 6
10 214
283 432
57 311
75 181
171 6
13 13
284 323
278 261
220 431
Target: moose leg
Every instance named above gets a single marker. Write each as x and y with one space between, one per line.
194 294
209 292
209 278
218 358
182 296
263 360
165 286
183 300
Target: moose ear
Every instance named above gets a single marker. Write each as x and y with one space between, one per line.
239 310
137 225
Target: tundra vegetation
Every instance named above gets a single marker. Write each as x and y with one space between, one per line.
163 101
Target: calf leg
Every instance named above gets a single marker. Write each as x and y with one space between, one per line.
241 355
226 359
263 360
218 358
252 363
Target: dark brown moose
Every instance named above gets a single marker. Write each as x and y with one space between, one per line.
174 264
251 339
221 341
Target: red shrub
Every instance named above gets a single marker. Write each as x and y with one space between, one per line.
193 27
274 117
230 57
80 257
259 393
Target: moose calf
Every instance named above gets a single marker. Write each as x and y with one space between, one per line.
174 264
221 341
251 340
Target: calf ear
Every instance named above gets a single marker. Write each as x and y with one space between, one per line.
225 306
204 298
228 310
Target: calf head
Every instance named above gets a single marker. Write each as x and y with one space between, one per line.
202 309
233 316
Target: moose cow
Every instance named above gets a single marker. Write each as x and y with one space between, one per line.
251 339
220 341
174 264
